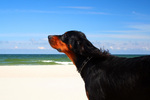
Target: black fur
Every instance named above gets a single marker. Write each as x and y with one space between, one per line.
109 77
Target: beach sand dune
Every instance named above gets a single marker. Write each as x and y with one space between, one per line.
50 82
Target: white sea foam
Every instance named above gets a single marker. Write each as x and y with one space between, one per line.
58 62
64 63
47 61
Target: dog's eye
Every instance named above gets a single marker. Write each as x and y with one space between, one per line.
63 37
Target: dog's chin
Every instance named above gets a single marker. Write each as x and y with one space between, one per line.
59 50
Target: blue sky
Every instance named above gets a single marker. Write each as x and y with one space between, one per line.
121 26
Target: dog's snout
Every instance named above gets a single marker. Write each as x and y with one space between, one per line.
50 36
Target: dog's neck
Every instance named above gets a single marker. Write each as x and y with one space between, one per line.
78 60
84 64
71 56
81 62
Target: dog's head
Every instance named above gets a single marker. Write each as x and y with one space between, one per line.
72 41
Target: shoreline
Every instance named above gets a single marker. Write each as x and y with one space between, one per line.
41 82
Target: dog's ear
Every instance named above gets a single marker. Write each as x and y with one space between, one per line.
75 45
84 48
88 49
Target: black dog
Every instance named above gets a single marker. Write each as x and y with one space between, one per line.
106 77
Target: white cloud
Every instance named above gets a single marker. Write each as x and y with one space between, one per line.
16 47
111 47
123 45
78 7
92 13
41 48
141 15
45 39
118 48
120 36
134 31
28 44
141 27
20 35
27 11
59 12
146 48
138 14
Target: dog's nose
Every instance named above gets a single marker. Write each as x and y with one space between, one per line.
50 36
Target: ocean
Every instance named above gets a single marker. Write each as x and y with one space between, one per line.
40 59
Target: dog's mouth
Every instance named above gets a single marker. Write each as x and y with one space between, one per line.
53 43
59 50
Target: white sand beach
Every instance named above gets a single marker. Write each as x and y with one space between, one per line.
41 82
